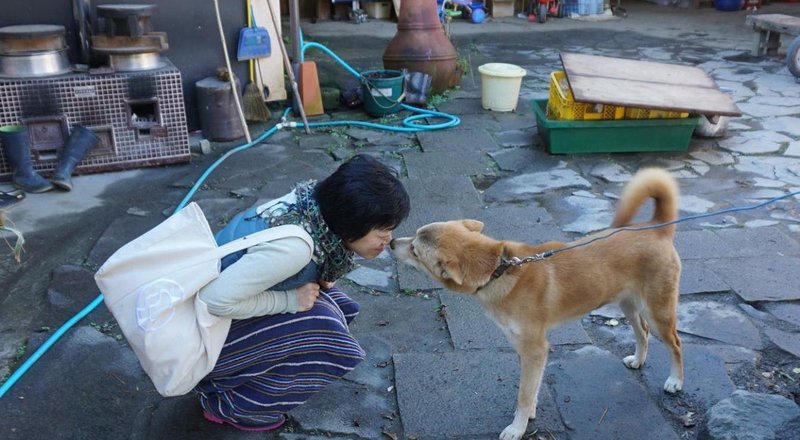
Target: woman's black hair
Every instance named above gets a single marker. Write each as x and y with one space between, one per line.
361 195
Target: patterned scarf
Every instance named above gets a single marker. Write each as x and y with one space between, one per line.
333 258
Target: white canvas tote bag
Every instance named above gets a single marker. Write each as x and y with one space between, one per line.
150 285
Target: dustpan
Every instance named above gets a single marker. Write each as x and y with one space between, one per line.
253 43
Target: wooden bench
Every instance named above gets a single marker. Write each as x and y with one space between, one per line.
769 28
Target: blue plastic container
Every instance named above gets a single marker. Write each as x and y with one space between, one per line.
570 7
728 5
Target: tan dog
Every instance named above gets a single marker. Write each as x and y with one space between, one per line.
639 270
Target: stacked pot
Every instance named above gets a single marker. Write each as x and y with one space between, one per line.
33 51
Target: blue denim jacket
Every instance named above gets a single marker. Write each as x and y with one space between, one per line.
247 223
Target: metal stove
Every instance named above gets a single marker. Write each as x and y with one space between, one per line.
134 103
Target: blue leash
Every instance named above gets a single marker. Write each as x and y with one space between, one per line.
546 254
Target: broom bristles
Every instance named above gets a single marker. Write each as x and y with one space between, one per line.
255 109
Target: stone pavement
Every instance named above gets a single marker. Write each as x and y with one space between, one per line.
437 367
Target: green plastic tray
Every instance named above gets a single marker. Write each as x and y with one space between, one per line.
612 136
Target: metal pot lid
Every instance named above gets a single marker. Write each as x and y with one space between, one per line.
125 10
21 31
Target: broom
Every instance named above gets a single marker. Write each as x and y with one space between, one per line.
254 107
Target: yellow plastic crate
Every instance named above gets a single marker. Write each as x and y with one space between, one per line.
645 113
561 104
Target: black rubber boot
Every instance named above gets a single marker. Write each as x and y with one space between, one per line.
79 143
17 151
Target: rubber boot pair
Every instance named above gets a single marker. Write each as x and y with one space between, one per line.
80 141
16 149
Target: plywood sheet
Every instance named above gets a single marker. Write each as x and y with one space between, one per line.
271 67
645 84
775 22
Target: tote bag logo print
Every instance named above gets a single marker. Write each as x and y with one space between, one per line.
155 303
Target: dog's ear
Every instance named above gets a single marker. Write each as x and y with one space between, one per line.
452 270
473 225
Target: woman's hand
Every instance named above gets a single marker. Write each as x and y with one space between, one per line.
306 295
326 284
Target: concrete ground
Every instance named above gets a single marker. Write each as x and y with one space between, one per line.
437 367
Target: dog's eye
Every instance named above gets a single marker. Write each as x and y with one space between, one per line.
413 250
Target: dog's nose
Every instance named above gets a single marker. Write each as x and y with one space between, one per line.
391 244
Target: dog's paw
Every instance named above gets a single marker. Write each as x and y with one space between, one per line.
673 385
512 433
632 362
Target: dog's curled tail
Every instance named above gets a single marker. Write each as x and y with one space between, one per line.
649 182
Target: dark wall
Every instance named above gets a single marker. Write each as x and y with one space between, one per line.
191 27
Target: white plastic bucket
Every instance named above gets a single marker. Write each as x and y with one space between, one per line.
500 85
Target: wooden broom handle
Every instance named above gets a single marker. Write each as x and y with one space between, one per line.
233 77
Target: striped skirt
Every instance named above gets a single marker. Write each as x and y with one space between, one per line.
271 364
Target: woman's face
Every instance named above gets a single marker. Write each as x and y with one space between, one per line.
372 244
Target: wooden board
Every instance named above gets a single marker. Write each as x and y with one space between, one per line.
782 23
271 67
645 84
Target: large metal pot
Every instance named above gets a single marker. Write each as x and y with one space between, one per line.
35 65
33 51
136 62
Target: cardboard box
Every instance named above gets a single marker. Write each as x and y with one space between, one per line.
502 8
379 10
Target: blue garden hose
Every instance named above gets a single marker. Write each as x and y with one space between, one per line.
410 124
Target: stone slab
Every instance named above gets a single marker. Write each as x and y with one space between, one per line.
718 321
470 328
383 326
121 230
514 138
525 186
379 273
513 159
446 163
766 241
463 395
459 106
85 364
785 311
760 278
703 244
528 223
456 141
596 395
361 416
437 199
697 278
788 342
705 374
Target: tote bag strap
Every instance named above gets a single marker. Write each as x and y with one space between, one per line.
269 234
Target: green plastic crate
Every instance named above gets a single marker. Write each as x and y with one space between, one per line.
612 136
